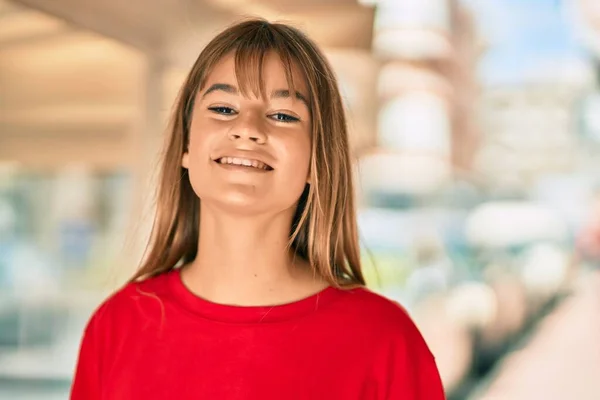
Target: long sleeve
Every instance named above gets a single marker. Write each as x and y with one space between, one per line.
86 383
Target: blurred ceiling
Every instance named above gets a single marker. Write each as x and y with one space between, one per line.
159 26
72 72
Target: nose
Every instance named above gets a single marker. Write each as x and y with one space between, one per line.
249 128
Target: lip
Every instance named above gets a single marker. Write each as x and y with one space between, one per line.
247 155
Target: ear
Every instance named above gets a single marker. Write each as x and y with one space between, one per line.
185 160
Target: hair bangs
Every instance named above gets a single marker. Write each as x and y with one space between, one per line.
250 54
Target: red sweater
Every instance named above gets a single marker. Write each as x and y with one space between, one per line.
156 340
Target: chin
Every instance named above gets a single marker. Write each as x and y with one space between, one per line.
242 207
237 203
243 204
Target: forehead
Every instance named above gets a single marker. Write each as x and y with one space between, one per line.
250 77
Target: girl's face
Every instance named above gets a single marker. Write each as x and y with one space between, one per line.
250 154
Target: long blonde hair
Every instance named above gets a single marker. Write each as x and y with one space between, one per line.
324 230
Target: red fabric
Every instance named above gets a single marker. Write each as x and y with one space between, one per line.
156 340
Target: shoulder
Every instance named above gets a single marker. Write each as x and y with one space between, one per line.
376 309
116 324
402 364
385 320
129 301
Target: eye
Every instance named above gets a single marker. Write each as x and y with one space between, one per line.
281 117
222 110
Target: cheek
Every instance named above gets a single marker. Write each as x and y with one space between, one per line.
195 156
297 166
198 160
298 153
202 135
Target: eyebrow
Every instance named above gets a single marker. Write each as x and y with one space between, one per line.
280 93
224 87
284 93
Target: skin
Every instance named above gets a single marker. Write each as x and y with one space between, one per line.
246 213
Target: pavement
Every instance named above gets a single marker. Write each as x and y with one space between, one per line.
561 360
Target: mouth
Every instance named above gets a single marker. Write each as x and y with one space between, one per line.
243 163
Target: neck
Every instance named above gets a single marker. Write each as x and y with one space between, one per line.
246 260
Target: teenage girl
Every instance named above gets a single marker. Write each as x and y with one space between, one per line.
252 286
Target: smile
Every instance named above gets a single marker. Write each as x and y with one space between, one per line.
244 162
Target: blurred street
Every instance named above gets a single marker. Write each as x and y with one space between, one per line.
561 359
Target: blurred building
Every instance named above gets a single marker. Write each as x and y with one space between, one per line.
534 123
530 131
586 13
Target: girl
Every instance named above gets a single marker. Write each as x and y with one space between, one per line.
252 287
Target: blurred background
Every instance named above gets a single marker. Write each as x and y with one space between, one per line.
475 127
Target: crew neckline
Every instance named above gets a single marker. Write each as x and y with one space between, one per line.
248 314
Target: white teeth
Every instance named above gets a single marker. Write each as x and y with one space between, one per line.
243 162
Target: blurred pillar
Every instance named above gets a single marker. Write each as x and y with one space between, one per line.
148 133
467 49
425 93
357 71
